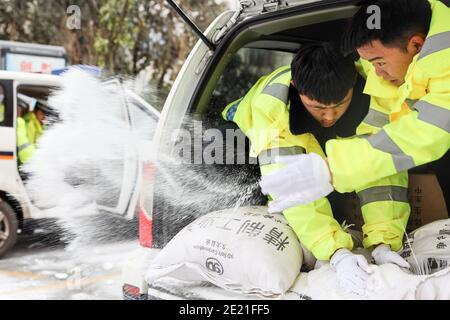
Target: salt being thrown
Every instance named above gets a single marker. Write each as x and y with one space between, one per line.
82 158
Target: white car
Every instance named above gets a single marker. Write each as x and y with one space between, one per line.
236 49
17 212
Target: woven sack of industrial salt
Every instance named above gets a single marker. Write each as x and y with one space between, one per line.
427 249
243 250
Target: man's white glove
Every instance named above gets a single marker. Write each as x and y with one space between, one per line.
383 254
304 179
352 271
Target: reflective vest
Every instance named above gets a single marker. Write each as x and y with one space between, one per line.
263 115
406 126
34 127
25 149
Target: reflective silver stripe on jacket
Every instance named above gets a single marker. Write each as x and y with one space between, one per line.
383 193
435 43
381 141
279 74
376 118
434 115
24 146
277 90
268 156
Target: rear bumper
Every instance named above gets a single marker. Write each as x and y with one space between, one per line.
132 293
134 270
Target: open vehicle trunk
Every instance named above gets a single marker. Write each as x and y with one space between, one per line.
253 48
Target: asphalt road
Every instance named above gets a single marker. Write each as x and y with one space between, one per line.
42 266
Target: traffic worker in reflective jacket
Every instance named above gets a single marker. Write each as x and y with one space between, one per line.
407 65
25 148
30 127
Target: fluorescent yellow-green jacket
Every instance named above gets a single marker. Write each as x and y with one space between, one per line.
263 115
407 125
25 149
34 127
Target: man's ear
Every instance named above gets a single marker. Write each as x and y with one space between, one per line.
415 44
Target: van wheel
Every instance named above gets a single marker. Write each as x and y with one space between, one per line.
8 227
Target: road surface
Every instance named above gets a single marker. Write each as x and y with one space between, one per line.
42 267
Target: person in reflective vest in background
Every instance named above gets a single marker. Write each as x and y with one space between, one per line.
294 110
25 149
32 123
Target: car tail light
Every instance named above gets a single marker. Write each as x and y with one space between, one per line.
133 293
149 171
145 228
146 203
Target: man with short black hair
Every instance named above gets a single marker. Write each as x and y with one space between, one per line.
391 48
414 36
297 109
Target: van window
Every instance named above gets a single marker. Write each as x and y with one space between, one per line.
143 121
242 72
33 97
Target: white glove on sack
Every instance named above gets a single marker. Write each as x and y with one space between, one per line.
383 254
305 178
352 271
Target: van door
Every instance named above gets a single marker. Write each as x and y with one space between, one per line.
8 165
118 199
140 119
144 119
